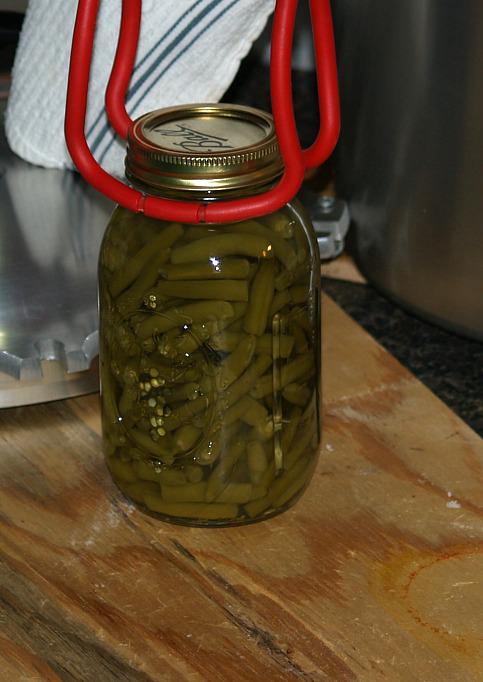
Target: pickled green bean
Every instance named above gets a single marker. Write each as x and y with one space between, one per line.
301 442
243 385
172 477
290 428
262 387
280 224
219 290
188 492
138 489
292 489
147 471
130 271
296 368
191 510
230 244
265 344
235 364
282 482
162 448
257 461
186 412
300 340
255 413
216 268
186 436
193 312
281 299
297 394
240 493
260 300
194 473
281 249
289 277
132 297
298 294
219 477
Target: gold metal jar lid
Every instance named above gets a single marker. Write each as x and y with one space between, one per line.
203 149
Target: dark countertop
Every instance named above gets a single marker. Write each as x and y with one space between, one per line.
450 365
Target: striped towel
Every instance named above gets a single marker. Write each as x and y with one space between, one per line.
189 51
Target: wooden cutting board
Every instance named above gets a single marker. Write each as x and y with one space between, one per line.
376 574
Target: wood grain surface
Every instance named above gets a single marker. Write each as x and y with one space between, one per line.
376 574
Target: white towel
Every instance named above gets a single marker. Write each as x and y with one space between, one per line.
189 51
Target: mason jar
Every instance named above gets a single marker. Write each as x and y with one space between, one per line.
209 333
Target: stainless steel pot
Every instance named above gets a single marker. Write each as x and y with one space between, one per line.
410 159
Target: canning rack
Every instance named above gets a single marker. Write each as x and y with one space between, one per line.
296 160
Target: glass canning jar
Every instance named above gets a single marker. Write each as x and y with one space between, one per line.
209 333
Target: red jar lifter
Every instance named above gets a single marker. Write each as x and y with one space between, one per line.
295 159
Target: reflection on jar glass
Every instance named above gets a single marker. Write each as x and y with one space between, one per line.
210 363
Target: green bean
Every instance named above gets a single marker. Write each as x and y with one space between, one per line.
296 368
234 412
235 364
147 471
240 493
172 477
220 290
289 429
186 436
300 444
262 387
189 492
257 461
265 344
280 224
226 341
281 249
162 448
192 312
228 244
256 507
263 430
288 277
191 510
188 391
218 479
138 489
300 340
194 473
216 268
255 413
281 299
197 232
128 397
186 412
109 407
132 297
123 278
261 296
297 394
283 481
291 490
298 294
243 385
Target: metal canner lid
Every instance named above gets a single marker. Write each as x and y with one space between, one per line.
203 148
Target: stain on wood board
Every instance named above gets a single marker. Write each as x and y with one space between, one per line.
376 574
